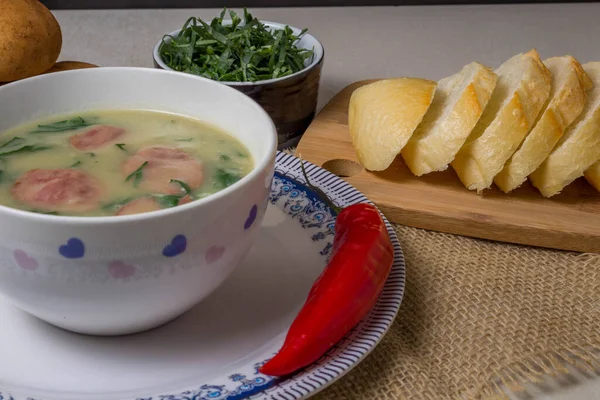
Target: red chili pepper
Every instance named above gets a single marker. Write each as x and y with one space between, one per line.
347 289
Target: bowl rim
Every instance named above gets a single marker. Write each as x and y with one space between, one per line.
260 165
316 60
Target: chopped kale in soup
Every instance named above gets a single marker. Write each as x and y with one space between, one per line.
116 163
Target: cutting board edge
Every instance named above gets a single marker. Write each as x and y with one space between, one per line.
556 238
506 233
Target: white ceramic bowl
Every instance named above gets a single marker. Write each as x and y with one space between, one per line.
119 275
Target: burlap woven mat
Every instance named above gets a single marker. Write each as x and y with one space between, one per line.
478 314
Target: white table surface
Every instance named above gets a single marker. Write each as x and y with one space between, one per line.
373 42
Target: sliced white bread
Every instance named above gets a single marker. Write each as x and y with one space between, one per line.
522 89
593 175
383 115
567 100
457 105
579 147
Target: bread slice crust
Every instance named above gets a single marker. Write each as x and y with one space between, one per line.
457 105
579 147
567 100
522 89
383 115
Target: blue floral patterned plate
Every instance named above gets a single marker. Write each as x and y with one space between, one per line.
214 350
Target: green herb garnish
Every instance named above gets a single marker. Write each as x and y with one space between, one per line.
18 145
184 186
2 169
243 51
169 200
13 146
61 126
91 154
137 174
226 177
224 157
184 140
121 146
172 200
43 212
76 163
14 142
31 148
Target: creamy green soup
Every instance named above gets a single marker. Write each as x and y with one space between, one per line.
116 162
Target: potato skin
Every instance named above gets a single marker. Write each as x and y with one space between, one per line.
30 39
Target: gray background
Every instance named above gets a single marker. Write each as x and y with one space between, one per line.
124 4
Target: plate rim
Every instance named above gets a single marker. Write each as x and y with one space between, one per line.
347 353
281 390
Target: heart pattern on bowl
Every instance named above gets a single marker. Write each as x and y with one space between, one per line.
176 247
24 261
73 249
120 270
214 254
251 217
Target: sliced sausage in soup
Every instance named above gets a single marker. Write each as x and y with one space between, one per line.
96 137
66 190
146 204
138 206
157 167
116 162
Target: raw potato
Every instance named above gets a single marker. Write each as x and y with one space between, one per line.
383 115
30 39
522 89
579 147
457 105
567 100
593 175
69 65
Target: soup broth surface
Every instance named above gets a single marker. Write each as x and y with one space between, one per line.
116 162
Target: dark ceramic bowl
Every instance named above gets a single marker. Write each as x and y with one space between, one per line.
291 101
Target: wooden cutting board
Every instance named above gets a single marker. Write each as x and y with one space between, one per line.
439 202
